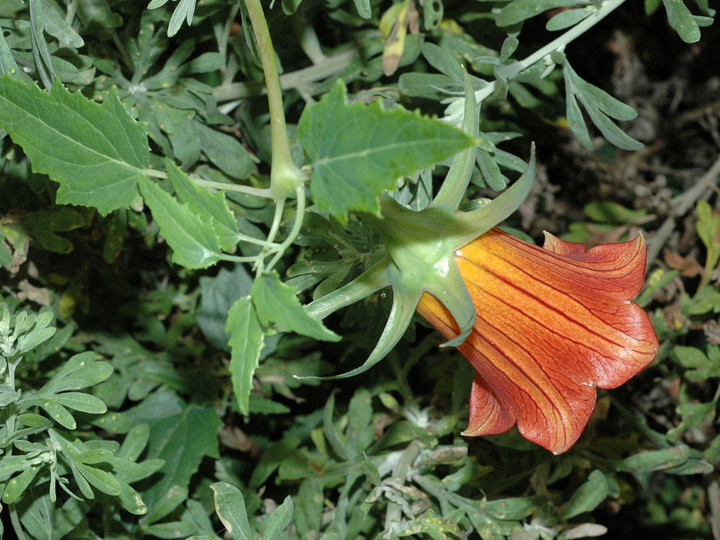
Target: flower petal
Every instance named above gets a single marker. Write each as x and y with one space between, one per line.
553 323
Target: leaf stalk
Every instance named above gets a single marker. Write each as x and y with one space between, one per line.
285 175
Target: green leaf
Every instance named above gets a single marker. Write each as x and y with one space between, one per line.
57 412
246 342
682 21
587 497
101 480
8 66
33 420
9 465
180 438
131 471
230 508
225 152
15 487
612 212
359 151
134 443
566 19
654 460
191 238
708 225
80 371
601 107
40 333
131 500
96 152
184 10
272 458
699 366
217 296
41 51
359 434
521 10
278 521
169 501
82 402
56 26
433 14
8 395
211 206
43 225
651 6
171 529
47 520
266 406
277 302
491 171
363 8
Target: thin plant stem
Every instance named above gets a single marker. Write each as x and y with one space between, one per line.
274 227
284 173
557 44
15 520
224 37
277 218
70 12
302 78
264 193
299 214
238 259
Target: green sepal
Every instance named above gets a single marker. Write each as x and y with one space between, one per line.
458 177
404 303
481 220
370 281
456 298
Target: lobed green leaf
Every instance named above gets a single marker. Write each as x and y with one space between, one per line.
96 152
277 302
208 206
246 343
192 238
359 151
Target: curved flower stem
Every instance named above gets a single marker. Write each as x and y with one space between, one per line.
274 228
299 214
277 218
557 44
285 176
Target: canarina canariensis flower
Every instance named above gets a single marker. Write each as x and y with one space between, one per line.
543 326
553 323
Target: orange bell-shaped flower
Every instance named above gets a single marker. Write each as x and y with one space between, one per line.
552 324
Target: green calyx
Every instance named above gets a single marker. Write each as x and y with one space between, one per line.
421 248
